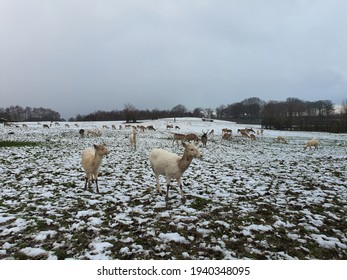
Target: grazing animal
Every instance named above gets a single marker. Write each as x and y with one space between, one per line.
192 137
91 160
81 132
178 137
141 128
311 143
249 130
281 139
93 132
226 136
133 138
45 126
171 165
243 132
252 136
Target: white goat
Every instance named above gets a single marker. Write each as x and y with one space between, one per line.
281 139
311 143
91 160
133 138
93 132
171 165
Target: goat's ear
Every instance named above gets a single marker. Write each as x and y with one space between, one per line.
184 144
96 146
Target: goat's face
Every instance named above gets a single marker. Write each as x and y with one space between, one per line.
192 150
101 150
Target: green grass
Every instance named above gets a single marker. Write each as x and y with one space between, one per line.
4 144
200 203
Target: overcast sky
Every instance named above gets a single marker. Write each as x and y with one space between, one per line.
79 56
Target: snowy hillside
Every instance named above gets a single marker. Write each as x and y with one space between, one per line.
245 199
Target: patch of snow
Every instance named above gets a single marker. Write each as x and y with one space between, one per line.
85 213
43 235
33 252
172 236
258 228
6 219
328 242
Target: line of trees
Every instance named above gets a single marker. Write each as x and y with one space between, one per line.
131 114
28 114
291 114
295 114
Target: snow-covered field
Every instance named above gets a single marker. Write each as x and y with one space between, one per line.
245 200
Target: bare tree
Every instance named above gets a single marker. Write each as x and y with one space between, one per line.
198 112
179 110
130 112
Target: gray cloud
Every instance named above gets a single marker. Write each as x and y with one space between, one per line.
80 56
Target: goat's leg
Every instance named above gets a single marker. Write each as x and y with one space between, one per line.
181 188
86 183
167 192
158 184
168 181
179 181
90 181
97 186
